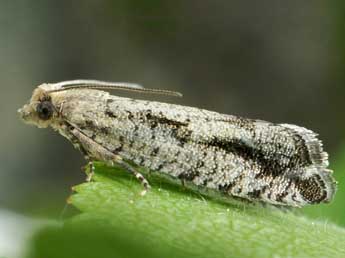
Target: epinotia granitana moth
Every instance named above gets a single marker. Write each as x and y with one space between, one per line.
281 164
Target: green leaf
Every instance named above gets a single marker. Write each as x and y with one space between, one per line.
169 221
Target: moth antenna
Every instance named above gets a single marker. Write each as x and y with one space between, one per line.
102 85
94 83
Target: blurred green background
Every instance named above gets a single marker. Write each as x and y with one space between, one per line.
281 61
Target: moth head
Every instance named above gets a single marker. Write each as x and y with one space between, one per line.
40 111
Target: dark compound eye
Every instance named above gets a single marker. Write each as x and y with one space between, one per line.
45 110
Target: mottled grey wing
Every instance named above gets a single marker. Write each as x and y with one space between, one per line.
277 163
279 150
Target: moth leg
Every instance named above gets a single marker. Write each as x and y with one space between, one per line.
89 170
91 173
183 183
137 174
98 152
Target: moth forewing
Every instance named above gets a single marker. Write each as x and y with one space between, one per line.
275 163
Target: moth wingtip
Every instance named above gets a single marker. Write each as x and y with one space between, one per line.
313 144
328 184
332 186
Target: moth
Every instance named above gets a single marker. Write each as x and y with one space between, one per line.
280 164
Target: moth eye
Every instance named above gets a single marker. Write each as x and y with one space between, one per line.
45 110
